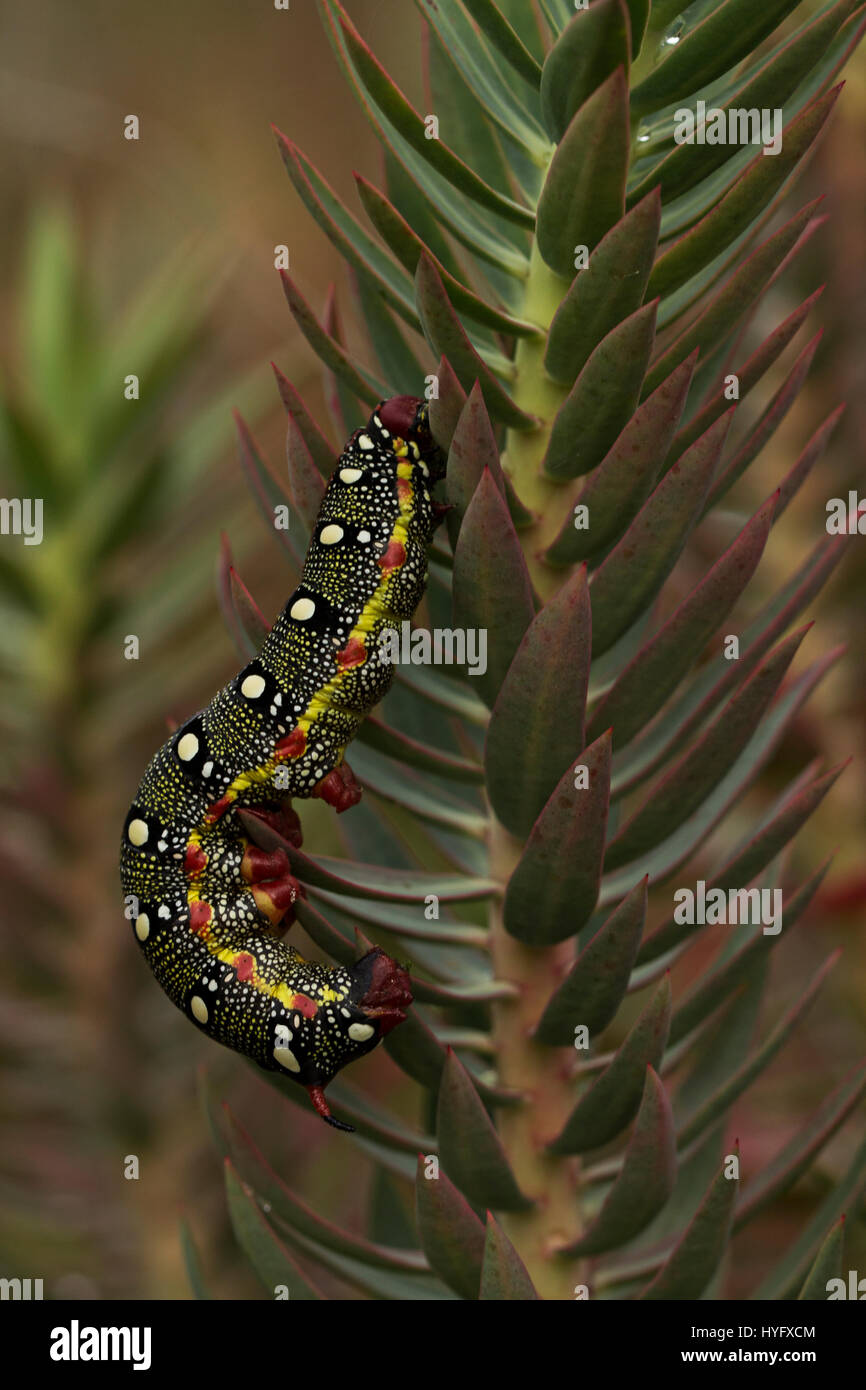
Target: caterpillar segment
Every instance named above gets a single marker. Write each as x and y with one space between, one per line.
211 907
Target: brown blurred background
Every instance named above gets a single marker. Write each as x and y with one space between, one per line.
156 256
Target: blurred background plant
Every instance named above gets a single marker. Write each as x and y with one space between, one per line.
156 258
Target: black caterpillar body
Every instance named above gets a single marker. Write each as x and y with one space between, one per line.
209 907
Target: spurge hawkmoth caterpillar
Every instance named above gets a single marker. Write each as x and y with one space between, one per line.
211 906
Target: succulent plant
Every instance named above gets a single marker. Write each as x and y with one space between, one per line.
585 296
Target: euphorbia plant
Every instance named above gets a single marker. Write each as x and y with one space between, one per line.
579 282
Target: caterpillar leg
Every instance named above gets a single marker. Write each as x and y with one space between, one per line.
340 788
275 890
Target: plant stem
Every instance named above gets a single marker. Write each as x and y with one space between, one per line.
544 1077
536 392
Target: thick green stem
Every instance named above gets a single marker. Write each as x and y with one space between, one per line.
544 1076
535 392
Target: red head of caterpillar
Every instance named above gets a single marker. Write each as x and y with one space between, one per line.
212 906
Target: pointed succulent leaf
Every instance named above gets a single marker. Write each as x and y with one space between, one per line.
716 1106
409 922
385 739
766 89
829 1264
589 49
661 663
408 247
761 850
615 492
614 1098
553 890
797 1155
243 642
545 687
631 576
812 452
691 779
504 1276
192 1264
368 880
729 33
753 191
405 119
250 617
698 1253
584 192
748 376
447 337
470 1149
667 857
766 426
608 291
451 1235
728 305
429 189
321 452
290 1208
493 22
415 792
305 481
346 233
327 348
270 1259
417 1051
444 694
492 590
482 72
787 1278
400 367
446 405
370 1279
595 986
346 408
603 398
716 679
327 937
473 448
645 1181
473 132
268 493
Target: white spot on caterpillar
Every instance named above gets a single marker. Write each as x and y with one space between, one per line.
364 537
163 911
253 686
350 475
142 926
302 609
137 832
162 844
207 769
331 534
187 747
213 985
360 1032
199 1009
286 1058
365 442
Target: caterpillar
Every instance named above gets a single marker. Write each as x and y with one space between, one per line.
210 907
